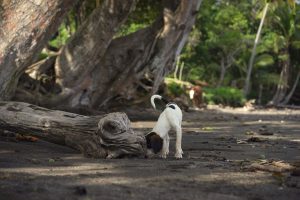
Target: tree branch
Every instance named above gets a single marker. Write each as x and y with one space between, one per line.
105 136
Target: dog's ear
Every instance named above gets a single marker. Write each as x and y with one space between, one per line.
154 142
148 139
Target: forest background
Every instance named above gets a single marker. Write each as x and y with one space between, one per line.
236 50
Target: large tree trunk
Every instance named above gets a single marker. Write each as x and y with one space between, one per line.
151 51
86 48
26 26
94 68
178 23
107 136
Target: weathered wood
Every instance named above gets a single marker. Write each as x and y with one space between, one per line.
107 136
86 48
95 67
26 27
149 52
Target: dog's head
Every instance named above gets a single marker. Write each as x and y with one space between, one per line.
154 143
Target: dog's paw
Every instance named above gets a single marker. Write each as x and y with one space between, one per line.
167 152
164 155
178 154
112 155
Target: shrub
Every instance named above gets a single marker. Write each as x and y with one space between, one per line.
175 89
224 95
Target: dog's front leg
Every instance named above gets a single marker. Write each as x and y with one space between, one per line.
165 149
179 152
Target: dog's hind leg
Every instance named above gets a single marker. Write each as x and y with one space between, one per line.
179 152
174 118
165 149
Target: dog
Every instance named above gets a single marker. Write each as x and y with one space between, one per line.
158 139
196 95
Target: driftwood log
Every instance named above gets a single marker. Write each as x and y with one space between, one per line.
107 136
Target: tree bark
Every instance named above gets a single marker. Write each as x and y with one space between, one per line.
107 136
26 26
178 23
227 61
80 56
94 67
289 96
150 52
222 72
283 83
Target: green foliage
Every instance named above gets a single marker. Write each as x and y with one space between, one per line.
131 28
223 30
268 79
219 33
224 95
42 55
195 73
64 33
271 42
175 89
227 29
283 57
264 60
145 13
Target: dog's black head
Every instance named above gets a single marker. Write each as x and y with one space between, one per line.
154 142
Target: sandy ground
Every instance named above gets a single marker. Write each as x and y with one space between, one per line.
228 154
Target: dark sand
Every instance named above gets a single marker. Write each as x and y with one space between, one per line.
228 154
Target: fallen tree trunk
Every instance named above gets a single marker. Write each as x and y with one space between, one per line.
107 136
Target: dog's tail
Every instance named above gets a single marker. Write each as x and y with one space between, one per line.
156 96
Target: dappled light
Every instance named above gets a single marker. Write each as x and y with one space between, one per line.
143 99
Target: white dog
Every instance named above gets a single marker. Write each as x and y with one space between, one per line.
158 139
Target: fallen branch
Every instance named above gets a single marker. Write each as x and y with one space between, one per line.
270 166
107 136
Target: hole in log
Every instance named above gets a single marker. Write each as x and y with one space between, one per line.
110 127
